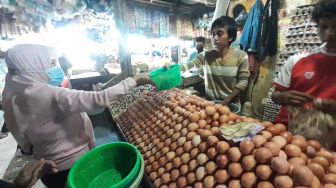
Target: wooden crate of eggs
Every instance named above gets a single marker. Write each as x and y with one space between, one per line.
179 138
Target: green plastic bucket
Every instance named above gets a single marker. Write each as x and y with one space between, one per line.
114 165
166 78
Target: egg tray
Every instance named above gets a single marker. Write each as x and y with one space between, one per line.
178 136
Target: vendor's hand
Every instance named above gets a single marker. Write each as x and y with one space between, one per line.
31 172
143 79
325 105
226 102
291 98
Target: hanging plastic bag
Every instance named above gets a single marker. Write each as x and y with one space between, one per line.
312 124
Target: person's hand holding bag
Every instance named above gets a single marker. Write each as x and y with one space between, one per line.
143 79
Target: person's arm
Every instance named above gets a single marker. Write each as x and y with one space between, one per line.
74 101
198 62
242 79
283 95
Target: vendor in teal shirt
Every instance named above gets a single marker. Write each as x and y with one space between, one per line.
200 42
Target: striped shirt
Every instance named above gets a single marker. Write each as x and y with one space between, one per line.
223 75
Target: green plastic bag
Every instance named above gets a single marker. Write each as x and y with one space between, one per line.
166 78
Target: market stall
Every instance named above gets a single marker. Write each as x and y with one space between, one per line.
188 141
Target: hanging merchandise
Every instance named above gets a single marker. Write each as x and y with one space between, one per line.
250 35
99 6
267 43
147 21
184 28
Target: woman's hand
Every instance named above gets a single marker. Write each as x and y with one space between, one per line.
143 79
31 172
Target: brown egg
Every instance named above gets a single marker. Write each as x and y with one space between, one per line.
264 172
200 173
300 142
263 155
202 159
222 161
173 146
209 182
153 176
210 167
273 147
322 161
329 185
198 185
187 146
234 184
332 169
234 154
212 153
177 162
185 158
292 150
165 178
202 123
315 144
287 135
179 151
302 175
194 117
191 135
203 146
224 110
258 141
283 182
174 174
316 182
248 162
248 180
265 184
282 154
221 176
212 140
274 131
215 131
182 182
210 110
193 153
223 118
235 170
280 165
191 178
317 170
184 169
267 135
222 147
329 178
193 165
157 183
281 127
326 154
246 147
280 141
192 127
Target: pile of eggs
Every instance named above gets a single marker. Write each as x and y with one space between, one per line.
179 138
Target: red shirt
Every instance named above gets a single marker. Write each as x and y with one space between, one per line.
313 74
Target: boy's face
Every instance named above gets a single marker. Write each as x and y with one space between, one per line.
327 27
220 38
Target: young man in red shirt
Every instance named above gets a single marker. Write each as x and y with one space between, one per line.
311 77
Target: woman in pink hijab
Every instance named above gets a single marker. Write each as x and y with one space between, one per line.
48 120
